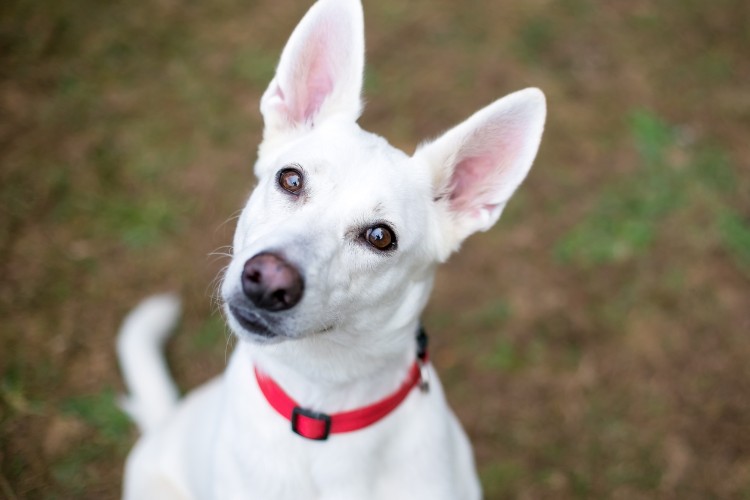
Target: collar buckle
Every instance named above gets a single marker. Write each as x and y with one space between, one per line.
318 426
310 424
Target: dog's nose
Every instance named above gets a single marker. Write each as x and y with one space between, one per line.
271 283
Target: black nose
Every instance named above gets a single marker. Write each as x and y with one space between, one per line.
271 283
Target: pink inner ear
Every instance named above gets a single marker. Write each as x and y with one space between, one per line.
483 168
313 79
476 183
467 176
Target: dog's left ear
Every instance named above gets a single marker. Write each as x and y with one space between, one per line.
320 71
477 165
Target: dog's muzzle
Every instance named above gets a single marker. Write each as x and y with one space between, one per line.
271 283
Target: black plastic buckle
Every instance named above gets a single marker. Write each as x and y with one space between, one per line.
422 341
321 417
424 374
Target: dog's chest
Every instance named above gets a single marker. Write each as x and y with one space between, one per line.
264 459
255 452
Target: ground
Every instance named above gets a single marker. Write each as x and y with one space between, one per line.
595 344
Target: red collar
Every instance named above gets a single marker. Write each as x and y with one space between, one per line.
317 426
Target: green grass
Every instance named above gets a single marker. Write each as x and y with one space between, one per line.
627 218
500 478
101 412
535 38
212 335
624 221
128 138
491 314
503 357
735 233
140 224
76 470
254 67
15 395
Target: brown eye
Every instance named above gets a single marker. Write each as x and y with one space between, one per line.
381 237
290 179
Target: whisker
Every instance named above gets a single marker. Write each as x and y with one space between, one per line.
231 218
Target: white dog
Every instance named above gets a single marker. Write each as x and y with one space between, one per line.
329 394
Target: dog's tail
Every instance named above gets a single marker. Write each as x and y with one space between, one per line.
152 392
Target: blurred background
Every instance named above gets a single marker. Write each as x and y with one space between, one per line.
595 343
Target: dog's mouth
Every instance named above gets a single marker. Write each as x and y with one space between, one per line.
257 328
252 322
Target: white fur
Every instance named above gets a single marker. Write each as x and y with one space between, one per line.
350 340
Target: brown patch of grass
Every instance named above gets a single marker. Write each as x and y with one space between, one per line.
127 138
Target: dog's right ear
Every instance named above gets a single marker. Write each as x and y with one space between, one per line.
477 165
320 71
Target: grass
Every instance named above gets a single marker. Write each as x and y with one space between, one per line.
139 224
104 432
627 218
102 413
735 232
594 344
499 479
212 336
254 67
535 39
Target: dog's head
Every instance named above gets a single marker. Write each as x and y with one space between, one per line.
343 231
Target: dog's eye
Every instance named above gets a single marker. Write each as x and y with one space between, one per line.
381 237
290 179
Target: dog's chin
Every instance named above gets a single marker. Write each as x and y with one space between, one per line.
258 339
250 326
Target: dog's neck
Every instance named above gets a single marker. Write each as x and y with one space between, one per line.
324 373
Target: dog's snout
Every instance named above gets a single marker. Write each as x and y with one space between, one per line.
271 283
